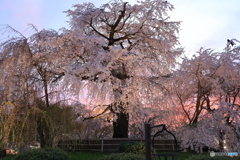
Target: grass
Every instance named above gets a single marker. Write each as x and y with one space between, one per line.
184 155
75 156
98 155
86 155
8 157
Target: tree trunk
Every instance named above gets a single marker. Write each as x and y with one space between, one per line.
44 134
221 143
120 126
46 93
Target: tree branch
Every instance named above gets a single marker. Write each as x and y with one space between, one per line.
98 115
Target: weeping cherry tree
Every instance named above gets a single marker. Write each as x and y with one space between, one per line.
118 54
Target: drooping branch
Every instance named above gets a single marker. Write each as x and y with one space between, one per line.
15 31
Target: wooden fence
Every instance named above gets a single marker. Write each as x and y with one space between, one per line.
111 145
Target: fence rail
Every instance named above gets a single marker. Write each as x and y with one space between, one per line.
111 145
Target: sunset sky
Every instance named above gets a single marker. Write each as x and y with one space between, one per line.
205 23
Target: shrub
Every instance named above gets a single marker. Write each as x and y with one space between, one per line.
43 154
2 152
123 156
207 149
122 147
135 147
132 147
208 157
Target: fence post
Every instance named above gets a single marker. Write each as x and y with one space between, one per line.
102 146
173 143
148 141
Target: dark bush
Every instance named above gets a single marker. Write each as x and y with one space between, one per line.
2 152
132 147
43 154
207 149
123 156
122 147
